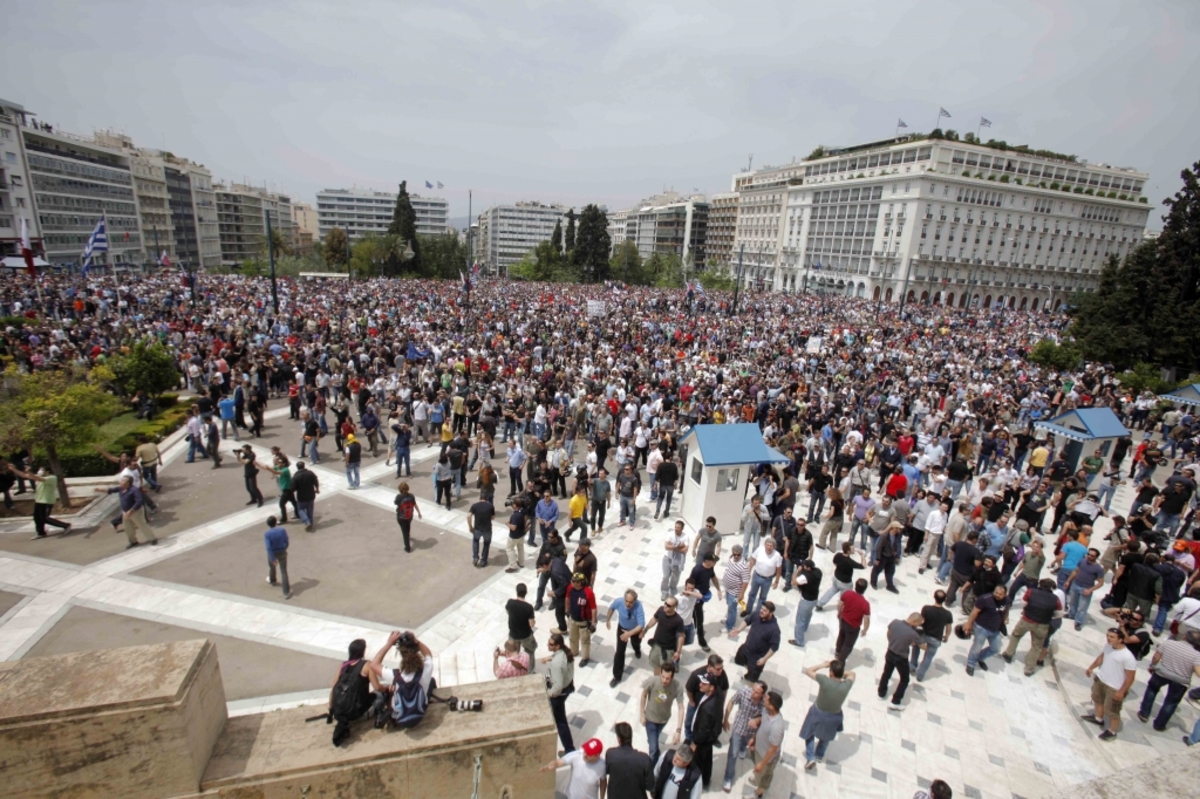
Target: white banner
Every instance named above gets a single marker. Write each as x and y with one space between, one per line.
596 307
813 346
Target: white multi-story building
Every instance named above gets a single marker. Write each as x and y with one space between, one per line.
947 222
666 223
204 211
508 232
722 226
761 197
242 213
16 191
305 218
150 192
363 212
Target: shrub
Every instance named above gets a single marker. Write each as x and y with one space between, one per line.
1079 189
1004 178
1143 200
1055 186
1054 356
13 321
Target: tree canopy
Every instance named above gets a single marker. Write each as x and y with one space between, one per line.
1146 308
335 247
148 367
592 244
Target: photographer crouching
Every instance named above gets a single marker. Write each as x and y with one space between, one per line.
402 695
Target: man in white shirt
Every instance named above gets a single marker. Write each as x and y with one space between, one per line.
766 566
588 772
935 526
1112 674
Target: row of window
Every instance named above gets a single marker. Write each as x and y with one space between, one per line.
1060 174
906 156
59 166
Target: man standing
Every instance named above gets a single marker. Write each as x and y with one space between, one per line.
133 510
630 772
714 670
888 549
588 774
577 511
754 516
546 512
965 558
521 621
1041 603
353 460
704 578
658 694
808 581
666 477
306 485
824 718
581 616
673 560
854 612
1112 674
1085 579
667 644
987 617
706 728
1172 666
245 456
903 635
766 566
631 620
767 743
762 642
676 776
149 459
516 459
734 581
707 542
935 629
750 709
935 527
601 500
1031 570
629 485
45 494
276 539
479 525
844 566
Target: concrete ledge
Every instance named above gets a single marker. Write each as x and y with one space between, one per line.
1172 775
279 754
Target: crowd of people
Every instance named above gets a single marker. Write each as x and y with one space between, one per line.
908 434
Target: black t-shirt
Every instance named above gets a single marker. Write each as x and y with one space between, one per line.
965 555
843 567
248 467
482 513
936 619
304 483
1173 501
517 520
702 578
692 686
667 630
520 614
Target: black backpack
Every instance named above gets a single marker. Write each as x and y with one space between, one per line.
348 697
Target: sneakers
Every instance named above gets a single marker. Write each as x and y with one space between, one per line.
895 707
970 671
982 664
810 765
1091 719
728 786
1142 717
1007 657
1107 735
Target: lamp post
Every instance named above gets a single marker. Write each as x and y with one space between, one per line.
738 283
271 258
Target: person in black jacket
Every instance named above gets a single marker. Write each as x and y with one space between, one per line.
666 478
706 727
560 581
678 766
630 772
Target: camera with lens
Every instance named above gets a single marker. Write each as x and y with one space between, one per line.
465 705
406 641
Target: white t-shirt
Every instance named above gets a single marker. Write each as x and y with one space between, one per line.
585 776
1114 665
766 565
388 676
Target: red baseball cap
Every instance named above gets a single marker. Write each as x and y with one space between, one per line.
593 747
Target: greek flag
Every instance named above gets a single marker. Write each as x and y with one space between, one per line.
943 113
97 242
900 124
698 288
428 185
984 122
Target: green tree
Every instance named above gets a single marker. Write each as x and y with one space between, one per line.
1055 356
569 242
335 248
592 244
626 260
817 152
46 412
1178 249
404 225
444 256
282 247
148 367
556 238
374 256
717 277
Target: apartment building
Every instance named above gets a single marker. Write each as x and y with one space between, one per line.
508 232
364 212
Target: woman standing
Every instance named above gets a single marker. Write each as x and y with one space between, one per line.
406 505
443 480
561 685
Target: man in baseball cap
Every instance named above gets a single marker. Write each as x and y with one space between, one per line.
588 771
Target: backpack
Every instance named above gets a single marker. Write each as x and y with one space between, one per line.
409 700
407 504
348 697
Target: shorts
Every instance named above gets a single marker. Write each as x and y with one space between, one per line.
762 780
659 656
1104 696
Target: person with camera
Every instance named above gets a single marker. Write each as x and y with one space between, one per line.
403 693
1131 623
511 661
560 683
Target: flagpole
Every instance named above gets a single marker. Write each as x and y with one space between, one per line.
979 129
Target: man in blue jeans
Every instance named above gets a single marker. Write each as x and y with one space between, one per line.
1070 556
1083 581
936 631
987 617
658 692
766 566
749 702
808 581
734 581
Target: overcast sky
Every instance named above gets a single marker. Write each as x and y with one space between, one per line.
610 102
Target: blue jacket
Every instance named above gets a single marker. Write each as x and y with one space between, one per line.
276 539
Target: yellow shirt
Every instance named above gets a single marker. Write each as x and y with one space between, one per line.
1037 458
578 506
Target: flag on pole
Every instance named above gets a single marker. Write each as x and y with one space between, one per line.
699 288
27 248
900 123
428 185
475 269
415 354
164 259
466 281
97 242
984 122
943 113
440 186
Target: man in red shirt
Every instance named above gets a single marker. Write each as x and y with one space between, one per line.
897 485
854 612
906 443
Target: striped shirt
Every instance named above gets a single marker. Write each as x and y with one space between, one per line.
1178 663
736 574
747 711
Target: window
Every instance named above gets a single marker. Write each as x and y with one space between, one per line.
10 157
697 470
727 479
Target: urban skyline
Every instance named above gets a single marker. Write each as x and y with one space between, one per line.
591 104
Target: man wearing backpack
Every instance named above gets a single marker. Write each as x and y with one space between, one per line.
404 692
350 696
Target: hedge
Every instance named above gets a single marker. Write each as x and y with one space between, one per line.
89 463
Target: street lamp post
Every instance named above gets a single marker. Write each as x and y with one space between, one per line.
738 283
271 258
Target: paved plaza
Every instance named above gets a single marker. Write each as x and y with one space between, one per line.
997 734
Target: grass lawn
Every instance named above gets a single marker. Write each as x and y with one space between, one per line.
118 426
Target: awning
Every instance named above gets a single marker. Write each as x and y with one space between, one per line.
1186 395
17 262
1085 424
